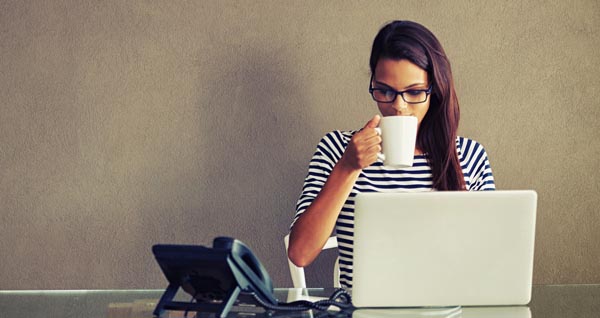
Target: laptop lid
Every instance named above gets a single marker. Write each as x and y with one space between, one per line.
443 248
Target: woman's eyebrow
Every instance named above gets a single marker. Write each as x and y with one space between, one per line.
383 84
407 87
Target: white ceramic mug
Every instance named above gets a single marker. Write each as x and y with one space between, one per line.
399 135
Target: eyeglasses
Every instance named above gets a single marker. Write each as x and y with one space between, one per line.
388 95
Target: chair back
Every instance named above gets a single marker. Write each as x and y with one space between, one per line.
297 273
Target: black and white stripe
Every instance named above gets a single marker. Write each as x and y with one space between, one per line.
378 178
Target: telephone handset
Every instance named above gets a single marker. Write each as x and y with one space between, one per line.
216 276
249 266
213 276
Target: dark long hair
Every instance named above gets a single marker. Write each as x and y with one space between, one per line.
437 134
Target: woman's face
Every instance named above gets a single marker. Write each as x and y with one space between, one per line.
401 75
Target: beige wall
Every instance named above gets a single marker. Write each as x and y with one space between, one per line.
128 123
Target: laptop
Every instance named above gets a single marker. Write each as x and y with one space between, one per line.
443 248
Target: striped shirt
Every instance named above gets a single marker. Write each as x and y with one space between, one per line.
378 178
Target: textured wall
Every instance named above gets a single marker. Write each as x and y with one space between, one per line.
128 123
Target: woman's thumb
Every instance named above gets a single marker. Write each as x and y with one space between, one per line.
374 122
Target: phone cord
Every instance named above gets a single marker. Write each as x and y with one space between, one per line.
340 298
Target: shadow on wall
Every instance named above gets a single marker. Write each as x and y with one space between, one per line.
251 156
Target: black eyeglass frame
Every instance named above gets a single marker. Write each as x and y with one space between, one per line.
401 93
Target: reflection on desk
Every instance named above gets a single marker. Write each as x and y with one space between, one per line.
433 312
496 312
450 312
548 301
144 308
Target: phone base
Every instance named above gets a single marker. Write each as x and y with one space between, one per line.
222 309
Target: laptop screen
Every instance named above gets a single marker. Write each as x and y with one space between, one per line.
443 248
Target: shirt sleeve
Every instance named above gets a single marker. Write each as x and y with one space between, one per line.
480 170
328 152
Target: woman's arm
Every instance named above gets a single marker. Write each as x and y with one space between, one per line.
314 226
312 229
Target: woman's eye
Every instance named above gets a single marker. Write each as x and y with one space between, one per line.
388 92
414 92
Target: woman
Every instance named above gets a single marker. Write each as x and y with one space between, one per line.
410 76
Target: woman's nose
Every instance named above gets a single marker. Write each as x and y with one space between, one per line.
400 105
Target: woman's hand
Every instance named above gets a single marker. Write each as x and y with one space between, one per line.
363 147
